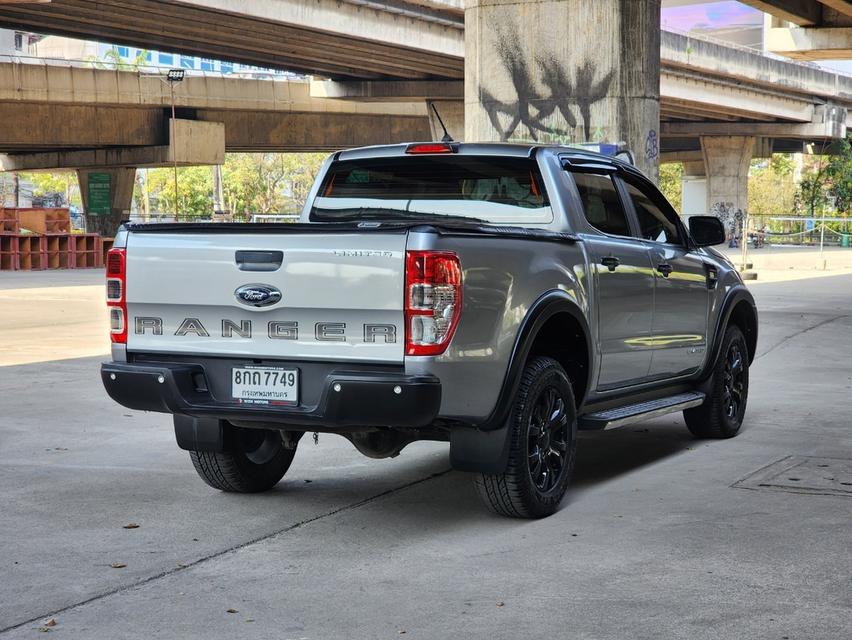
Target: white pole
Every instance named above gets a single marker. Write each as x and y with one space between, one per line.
822 242
174 146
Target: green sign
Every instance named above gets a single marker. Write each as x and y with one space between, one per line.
100 192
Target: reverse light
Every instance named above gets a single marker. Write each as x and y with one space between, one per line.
429 147
433 301
116 265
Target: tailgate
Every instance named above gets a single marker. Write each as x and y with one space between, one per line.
341 294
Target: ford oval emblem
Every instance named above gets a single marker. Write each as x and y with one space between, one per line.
258 295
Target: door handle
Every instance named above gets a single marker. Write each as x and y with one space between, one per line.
259 260
610 262
665 269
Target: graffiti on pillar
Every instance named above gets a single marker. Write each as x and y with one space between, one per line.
535 109
731 217
652 145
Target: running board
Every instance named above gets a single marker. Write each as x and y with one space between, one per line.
621 416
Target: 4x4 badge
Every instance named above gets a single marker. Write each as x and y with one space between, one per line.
258 295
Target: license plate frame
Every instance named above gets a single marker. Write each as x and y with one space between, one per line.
260 388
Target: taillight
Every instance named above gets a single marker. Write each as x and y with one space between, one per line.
433 301
116 264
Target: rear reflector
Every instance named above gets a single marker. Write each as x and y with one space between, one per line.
433 301
429 147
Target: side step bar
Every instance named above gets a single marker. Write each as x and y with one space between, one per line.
621 416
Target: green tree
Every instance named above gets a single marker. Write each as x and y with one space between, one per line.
771 186
671 183
111 59
268 182
251 183
812 198
64 182
195 191
839 172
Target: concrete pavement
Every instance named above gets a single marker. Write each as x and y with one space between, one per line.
653 540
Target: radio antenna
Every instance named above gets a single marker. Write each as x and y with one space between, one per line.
447 137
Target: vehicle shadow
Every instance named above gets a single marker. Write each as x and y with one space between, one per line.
446 500
603 456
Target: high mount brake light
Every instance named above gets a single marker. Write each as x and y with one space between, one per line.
116 265
433 301
429 147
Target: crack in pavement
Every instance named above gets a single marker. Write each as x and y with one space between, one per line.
787 339
219 554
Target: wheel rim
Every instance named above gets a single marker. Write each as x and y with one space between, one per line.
734 387
549 438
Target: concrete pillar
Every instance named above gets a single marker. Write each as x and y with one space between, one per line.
565 71
121 184
726 161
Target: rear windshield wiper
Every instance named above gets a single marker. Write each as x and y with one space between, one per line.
377 213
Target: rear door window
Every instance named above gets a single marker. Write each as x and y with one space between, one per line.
601 203
494 189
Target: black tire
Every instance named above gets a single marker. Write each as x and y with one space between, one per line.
542 448
721 415
255 461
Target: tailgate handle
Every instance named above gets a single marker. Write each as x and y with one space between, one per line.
259 260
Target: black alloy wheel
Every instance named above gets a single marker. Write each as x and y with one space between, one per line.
549 437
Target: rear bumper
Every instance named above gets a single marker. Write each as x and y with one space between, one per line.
364 399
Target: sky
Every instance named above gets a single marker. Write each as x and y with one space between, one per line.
723 14
726 17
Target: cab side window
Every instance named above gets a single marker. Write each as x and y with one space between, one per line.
654 224
601 204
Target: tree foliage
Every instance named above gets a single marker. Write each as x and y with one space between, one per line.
671 183
251 183
771 186
812 197
839 172
64 182
112 59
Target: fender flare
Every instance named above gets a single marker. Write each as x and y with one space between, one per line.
485 449
738 293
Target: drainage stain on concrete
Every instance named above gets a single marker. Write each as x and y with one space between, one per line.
803 474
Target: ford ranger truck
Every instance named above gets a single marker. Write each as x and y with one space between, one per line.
497 297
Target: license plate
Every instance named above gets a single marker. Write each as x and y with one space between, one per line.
265 385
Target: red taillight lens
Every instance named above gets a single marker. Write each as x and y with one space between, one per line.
117 294
429 147
433 301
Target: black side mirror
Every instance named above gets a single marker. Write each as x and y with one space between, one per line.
706 231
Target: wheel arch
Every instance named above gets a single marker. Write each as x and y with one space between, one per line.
739 309
485 449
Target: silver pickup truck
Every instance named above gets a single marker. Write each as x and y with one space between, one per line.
497 297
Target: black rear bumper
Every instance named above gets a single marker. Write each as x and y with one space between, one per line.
347 398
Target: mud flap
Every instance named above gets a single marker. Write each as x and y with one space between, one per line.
199 434
479 451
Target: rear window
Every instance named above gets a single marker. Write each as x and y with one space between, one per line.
493 189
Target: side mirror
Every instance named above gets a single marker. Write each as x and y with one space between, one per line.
706 231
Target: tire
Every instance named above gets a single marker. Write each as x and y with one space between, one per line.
255 461
721 415
540 459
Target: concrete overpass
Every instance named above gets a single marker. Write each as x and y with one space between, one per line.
716 105
409 39
809 29
706 89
